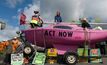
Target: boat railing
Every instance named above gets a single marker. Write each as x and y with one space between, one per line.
45 24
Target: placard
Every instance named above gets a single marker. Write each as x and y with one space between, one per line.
82 52
39 58
96 56
17 59
52 52
95 52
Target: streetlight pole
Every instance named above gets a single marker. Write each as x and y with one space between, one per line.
2 25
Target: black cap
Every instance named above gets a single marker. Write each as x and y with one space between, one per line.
36 12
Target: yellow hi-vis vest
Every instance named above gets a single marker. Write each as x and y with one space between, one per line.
35 20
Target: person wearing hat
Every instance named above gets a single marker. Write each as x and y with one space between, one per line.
36 20
8 52
15 43
85 23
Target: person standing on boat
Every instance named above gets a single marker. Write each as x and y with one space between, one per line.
58 17
84 23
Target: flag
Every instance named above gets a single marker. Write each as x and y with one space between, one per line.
22 19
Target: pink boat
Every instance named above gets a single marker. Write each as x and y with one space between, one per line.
65 37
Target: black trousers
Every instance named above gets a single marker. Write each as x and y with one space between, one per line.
7 58
33 25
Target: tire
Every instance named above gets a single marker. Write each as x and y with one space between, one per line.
28 51
71 58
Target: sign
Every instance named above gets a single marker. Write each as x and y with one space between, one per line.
39 58
52 52
17 59
83 60
95 52
96 56
82 52
96 60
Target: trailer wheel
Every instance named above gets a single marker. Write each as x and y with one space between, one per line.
28 51
70 58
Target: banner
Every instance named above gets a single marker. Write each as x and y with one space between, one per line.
17 59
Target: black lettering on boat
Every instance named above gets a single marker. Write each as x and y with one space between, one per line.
46 33
65 34
70 34
49 33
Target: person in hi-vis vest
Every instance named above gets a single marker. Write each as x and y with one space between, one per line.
36 20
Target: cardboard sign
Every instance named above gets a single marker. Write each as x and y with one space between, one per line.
83 60
52 52
96 60
95 52
39 58
17 59
82 52
96 56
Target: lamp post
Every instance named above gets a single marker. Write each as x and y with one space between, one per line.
2 25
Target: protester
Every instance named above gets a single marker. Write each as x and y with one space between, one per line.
22 21
85 23
15 43
36 20
7 59
58 17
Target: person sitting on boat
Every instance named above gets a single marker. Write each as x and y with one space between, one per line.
36 20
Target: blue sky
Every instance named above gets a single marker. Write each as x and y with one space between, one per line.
9 10
9 13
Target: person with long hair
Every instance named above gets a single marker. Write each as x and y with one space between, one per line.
58 17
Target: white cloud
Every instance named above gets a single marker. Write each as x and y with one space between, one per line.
3 20
13 3
8 33
73 9
70 9
19 10
29 10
